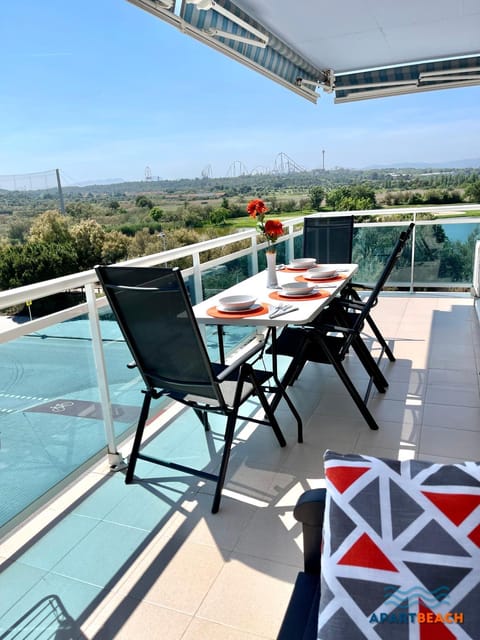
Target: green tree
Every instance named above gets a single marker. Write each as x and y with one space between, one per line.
317 195
351 198
143 202
115 247
50 227
472 191
218 216
35 262
142 244
88 238
80 210
156 213
18 231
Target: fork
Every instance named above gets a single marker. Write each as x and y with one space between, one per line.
274 309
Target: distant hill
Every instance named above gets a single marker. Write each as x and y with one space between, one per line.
154 185
471 163
99 181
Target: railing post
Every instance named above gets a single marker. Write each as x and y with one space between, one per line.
254 255
290 254
115 459
476 270
412 255
197 277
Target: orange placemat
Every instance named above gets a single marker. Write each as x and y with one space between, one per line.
215 313
333 279
275 295
287 270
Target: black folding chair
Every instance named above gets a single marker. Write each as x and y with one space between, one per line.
153 310
335 331
328 240
352 301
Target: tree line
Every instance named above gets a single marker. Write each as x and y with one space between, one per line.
48 244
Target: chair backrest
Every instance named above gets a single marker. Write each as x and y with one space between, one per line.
328 240
154 312
387 270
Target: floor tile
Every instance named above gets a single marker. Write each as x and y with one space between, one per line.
129 619
203 630
240 593
99 557
456 443
55 544
181 582
457 396
453 378
452 416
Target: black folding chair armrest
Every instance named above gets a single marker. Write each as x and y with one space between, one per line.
301 617
360 285
310 507
310 512
335 328
223 375
350 304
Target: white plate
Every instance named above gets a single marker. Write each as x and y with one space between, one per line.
296 267
237 303
311 275
297 294
303 263
296 287
253 307
319 279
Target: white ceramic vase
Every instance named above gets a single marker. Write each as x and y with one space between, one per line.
272 280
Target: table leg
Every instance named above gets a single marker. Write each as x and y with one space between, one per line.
280 389
221 346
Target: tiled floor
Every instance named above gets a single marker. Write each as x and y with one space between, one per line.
149 561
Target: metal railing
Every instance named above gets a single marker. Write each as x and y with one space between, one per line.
245 247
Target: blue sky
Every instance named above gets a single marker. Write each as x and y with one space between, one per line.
101 89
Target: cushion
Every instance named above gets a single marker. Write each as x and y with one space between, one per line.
401 550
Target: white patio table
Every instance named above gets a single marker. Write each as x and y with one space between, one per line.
304 308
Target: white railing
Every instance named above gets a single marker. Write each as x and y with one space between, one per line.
20 295
88 281
90 309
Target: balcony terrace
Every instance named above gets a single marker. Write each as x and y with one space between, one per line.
89 557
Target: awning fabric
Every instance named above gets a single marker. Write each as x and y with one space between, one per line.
428 76
357 49
269 56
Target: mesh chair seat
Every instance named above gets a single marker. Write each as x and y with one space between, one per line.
229 387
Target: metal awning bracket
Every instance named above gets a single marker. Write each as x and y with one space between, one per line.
327 83
259 39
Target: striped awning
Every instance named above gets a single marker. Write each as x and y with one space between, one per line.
223 26
356 49
390 81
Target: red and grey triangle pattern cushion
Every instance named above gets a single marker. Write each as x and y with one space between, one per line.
401 550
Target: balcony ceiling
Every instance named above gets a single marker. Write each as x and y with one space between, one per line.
356 49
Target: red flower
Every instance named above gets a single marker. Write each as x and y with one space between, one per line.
273 229
255 207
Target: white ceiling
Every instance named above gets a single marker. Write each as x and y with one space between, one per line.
352 35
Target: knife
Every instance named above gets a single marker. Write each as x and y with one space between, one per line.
282 312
